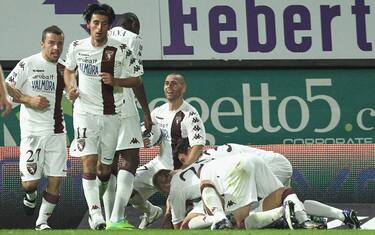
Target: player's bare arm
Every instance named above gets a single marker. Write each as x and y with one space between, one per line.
129 82
70 84
140 94
35 102
167 220
14 93
195 153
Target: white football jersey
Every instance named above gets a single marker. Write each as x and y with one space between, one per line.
134 42
184 122
185 186
35 76
116 58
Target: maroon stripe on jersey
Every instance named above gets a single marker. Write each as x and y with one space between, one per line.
58 113
176 136
107 66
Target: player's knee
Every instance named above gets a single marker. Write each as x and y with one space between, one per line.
286 192
30 186
130 162
89 164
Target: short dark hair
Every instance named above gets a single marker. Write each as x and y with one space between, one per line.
51 29
130 21
100 9
182 146
162 172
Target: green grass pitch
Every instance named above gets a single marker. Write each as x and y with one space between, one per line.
190 232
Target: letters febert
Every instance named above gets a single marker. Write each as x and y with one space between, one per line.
296 22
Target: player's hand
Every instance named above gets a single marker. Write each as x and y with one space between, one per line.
39 102
15 94
147 123
108 79
73 93
5 106
146 142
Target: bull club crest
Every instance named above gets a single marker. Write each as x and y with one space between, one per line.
31 168
108 55
81 144
178 119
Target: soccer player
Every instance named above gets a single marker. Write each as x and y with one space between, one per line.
184 185
130 135
239 180
40 80
4 103
104 66
177 119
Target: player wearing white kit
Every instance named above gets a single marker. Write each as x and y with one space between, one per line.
177 119
185 184
39 81
130 135
104 66
233 185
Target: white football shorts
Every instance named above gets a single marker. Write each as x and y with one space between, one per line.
240 179
130 134
95 135
43 155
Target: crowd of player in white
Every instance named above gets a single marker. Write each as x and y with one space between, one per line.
224 187
99 71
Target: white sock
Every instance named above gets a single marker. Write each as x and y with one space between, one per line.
201 221
213 203
124 190
109 197
91 191
263 218
140 204
319 209
45 212
299 209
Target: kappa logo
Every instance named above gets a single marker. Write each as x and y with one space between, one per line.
132 61
137 68
22 65
122 47
192 113
134 141
81 143
195 120
128 53
231 203
197 137
75 43
196 128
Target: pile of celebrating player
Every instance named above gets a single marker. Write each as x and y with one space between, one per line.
231 186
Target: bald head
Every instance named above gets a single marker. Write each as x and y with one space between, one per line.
174 87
